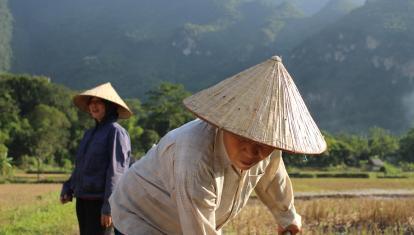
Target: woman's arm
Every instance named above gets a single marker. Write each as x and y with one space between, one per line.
275 191
119 157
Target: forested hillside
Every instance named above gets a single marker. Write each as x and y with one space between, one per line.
360 70
5 36
299 30
138 44
353 64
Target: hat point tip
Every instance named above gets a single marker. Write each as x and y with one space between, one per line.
276 58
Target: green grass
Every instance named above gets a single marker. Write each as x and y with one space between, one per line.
44 216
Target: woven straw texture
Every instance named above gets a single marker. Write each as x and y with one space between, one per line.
263 104
104 91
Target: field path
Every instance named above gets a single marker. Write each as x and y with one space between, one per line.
376 193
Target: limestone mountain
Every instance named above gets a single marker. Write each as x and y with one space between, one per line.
359 71
138 44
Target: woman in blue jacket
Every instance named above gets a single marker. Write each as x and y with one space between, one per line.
102 157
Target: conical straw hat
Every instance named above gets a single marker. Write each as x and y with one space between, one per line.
263 104
104 91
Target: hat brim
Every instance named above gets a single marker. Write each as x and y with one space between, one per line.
82 102
262 104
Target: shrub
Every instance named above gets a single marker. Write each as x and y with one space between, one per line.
301 175
343 175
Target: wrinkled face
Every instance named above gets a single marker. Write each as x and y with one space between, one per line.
97 108
244 153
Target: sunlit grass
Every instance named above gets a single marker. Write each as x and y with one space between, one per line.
35 209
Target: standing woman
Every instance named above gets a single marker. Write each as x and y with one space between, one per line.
102 157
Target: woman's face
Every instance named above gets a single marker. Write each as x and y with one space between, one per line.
244 153
97 108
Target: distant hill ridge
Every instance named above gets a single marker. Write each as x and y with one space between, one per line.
360 70
353 65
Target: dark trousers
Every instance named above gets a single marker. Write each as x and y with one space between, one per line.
117 232
89 216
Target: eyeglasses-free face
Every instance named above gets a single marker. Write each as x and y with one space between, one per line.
97 108
244 153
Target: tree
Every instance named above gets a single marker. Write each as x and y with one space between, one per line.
19 96
359 149
8 109
165 109
5 161
406 150
335 154
50 133
381 143
132 125
135 133
149 138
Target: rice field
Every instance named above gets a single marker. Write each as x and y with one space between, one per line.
333 216
35 209
346 184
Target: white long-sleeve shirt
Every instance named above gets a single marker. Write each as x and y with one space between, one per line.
187 185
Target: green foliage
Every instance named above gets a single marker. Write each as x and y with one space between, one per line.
132 125
5 161
135 132
50 131
165 109
389 169
8 109
40 128
36 118
149 138
382 143
27 162
405 166
337 153
347 150
406 150
342 175
44 216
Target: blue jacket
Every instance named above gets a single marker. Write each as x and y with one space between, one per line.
103 156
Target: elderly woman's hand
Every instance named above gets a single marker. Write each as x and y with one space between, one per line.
106 221
291 229
65 198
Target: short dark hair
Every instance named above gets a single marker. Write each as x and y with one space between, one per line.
111 109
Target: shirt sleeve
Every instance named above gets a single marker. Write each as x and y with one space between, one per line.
275 190
67 187
120 152
195 195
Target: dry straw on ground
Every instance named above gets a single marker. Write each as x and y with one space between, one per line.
17 195
334 216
